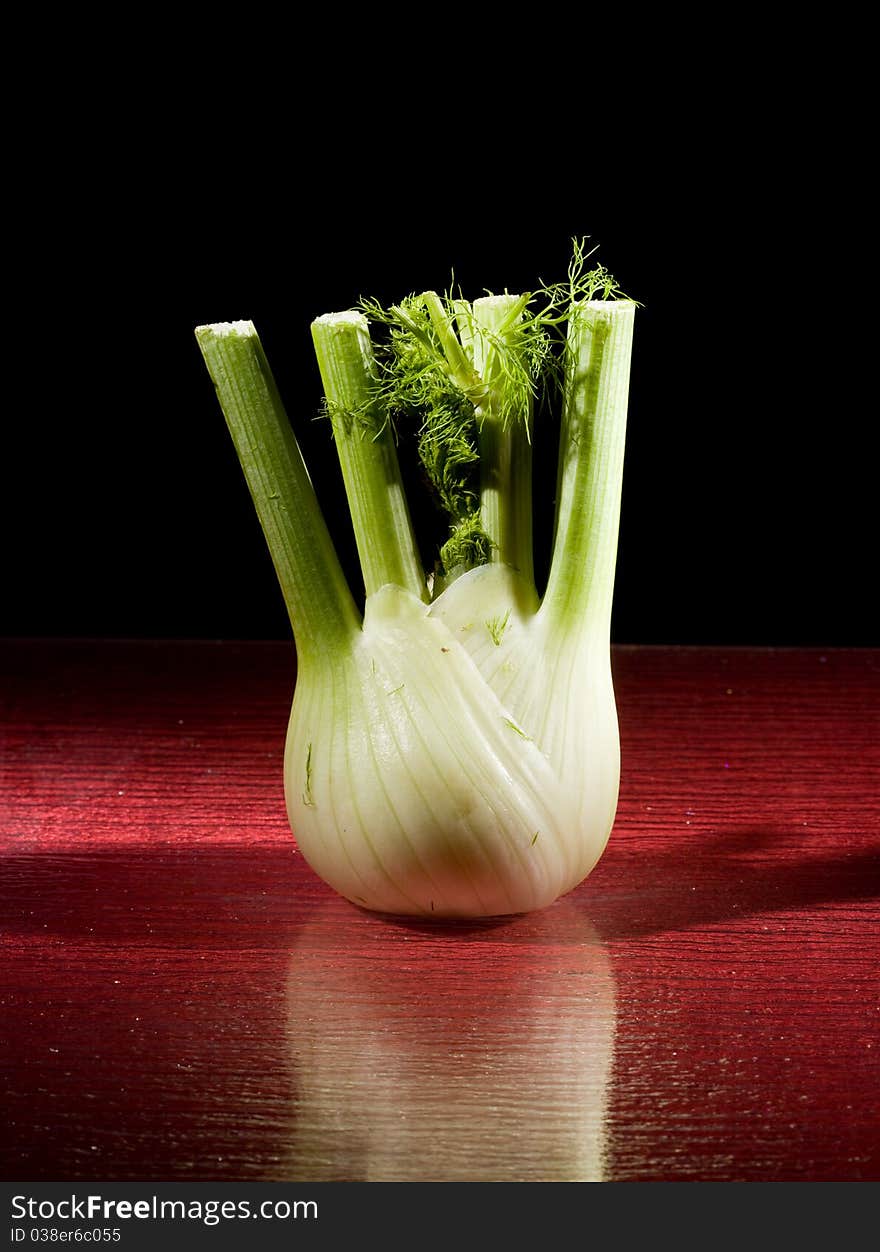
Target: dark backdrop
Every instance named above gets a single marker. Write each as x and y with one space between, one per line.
748 496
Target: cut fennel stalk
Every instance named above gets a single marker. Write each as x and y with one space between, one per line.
454 752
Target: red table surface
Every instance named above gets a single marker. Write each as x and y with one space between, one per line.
183 999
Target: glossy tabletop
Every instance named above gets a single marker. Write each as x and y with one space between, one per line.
183 999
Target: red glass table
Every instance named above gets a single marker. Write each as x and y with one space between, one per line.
182 999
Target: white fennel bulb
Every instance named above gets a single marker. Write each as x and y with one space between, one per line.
428 771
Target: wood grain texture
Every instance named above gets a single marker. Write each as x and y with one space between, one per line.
183 999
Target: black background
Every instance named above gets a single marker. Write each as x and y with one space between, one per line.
748 509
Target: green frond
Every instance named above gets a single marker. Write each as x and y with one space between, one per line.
496 627
467 547
447 366
307 797
369 419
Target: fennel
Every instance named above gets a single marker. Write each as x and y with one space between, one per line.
454 751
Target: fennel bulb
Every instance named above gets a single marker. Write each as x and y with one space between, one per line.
454 752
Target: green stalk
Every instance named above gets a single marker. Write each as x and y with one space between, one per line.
505 447
364 441
321 609
459 363
581 582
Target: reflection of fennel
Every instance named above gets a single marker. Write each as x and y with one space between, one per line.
442 1056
